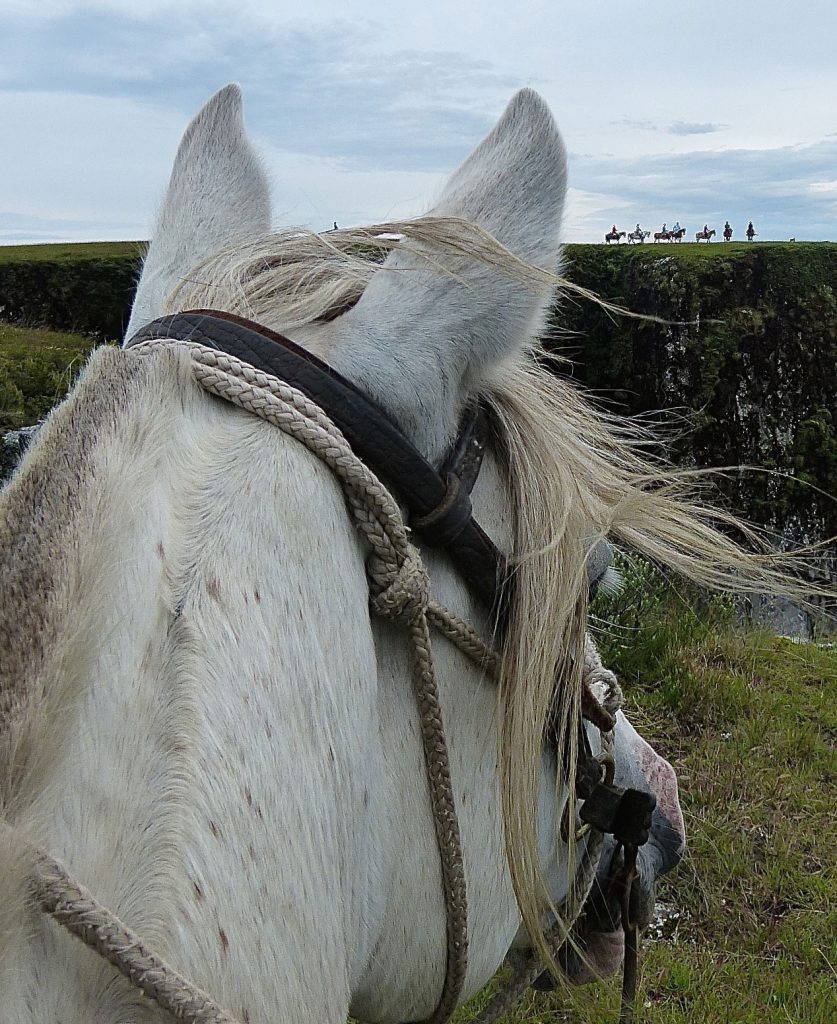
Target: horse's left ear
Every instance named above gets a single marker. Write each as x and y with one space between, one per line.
218 192
425 332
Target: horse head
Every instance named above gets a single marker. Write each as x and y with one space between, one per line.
212 727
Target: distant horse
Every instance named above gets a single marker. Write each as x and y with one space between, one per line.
677 236
727 233
199 712
614 236
704 236
662 236
638 236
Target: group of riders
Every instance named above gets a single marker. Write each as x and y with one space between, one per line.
675 233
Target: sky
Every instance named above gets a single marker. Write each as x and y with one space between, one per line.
691 111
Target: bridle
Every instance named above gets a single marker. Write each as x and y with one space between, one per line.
440 514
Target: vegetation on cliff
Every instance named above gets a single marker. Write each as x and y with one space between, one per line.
37 368
747 352
85 288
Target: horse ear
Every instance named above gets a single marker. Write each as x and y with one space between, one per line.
421 338
218 192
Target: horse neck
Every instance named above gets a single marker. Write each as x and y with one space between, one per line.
179 684
234 764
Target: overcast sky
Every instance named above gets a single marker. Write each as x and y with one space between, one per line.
670 109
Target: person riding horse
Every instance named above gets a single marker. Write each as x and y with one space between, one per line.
750 232
676 229
727 231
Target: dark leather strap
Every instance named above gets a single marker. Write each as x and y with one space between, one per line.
439 508
465 457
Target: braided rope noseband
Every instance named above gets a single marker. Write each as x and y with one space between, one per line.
400 591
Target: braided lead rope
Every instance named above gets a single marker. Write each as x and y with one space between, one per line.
399 590
73 907
466 639
394 596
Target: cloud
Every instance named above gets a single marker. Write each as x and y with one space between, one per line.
361 115
826 188
323 91
639 124
673 128
694 128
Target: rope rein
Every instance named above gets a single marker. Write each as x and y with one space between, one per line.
399 590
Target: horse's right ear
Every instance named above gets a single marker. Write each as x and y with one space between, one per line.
218 192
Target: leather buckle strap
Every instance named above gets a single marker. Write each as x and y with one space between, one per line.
444 524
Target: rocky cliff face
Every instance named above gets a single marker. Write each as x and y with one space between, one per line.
747 351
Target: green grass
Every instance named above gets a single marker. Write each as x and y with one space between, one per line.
62 251
650 250
750 723
701 258
37 368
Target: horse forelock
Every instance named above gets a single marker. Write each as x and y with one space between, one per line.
294 279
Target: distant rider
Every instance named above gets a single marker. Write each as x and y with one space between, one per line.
676 229
750 231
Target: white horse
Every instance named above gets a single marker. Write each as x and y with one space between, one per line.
198 715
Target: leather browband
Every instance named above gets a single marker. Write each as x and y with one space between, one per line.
439 507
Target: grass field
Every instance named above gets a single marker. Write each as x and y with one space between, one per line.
648 250
70 251
37 368
750 723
